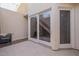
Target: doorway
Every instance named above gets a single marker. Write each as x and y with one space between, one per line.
65 29
40 27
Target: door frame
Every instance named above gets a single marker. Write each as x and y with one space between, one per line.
71 45
29 35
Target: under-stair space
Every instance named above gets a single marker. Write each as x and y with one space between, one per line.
44 25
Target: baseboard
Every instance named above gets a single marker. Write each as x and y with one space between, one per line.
19 40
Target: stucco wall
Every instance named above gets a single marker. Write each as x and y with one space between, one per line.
12 22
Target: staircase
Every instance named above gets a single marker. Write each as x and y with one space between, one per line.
44 25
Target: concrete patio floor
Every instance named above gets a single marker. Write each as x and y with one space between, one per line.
29 48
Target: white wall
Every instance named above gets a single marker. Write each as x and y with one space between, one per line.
77 26
12 22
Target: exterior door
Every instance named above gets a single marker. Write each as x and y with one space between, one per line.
65 34
44 27
33 27
64 27
40 27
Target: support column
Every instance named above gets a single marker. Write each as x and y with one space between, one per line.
55 38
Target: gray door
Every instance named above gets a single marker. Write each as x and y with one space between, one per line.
64 26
